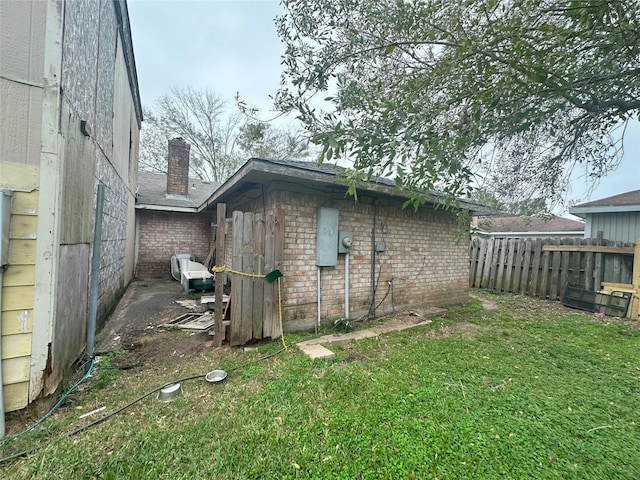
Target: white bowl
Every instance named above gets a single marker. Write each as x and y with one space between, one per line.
215 376
170 392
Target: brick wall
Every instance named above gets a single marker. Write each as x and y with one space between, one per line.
178 167
114 276
162 234
421 259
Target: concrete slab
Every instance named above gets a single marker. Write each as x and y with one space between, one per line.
398 328
316 351
339 338
143 303
362 334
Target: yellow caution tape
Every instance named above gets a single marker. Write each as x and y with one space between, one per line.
253 275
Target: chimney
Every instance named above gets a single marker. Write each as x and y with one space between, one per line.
178 168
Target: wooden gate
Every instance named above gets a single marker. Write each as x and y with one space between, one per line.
257 243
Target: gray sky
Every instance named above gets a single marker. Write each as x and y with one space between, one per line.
232 46
226 46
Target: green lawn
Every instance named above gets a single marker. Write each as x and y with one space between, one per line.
528 390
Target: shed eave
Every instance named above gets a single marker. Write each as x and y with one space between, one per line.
166 208
264 167
581 211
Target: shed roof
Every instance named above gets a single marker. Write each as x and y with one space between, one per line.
624 202
260 171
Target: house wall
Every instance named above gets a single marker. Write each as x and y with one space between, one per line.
126 141
62 63
94 89
163 234
421 258
22 33
17 299
616 226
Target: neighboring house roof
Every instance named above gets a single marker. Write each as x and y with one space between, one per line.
624 202
152 193
530 225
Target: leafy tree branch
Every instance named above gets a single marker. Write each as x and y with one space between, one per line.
428 91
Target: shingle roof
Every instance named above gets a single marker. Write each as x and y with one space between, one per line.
623 199
624 202
325 167
373 183
152 190
531 224
152 186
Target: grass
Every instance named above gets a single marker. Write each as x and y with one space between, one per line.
527 390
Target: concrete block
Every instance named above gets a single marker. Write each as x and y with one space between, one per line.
316 351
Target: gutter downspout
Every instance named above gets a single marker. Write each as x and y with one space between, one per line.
2 424
95 273
5 221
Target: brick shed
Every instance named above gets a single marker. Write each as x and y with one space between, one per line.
399 257
291 216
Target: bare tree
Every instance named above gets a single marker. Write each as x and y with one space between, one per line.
263 140
200 117
220 138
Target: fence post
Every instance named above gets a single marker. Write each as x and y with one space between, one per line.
218 311
473 264
599 263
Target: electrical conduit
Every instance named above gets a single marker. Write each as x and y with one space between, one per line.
95 273
319 293
2 425
5 221
346 286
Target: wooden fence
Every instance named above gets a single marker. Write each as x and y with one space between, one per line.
542 267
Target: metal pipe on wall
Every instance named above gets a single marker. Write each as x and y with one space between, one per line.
372 306
346 286
95 273
5 221
2 424
319 293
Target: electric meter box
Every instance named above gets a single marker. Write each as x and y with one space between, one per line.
345 241
327 237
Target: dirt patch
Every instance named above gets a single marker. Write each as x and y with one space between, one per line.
486 303
354 357
169 347
409 317
465 328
